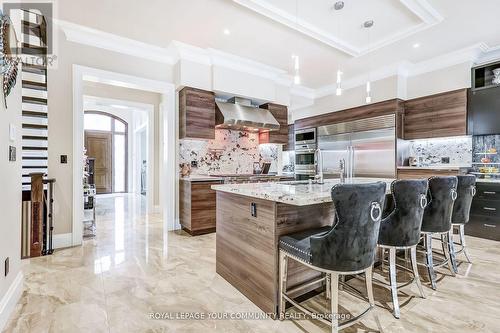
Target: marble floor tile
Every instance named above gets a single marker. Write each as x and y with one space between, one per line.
134 268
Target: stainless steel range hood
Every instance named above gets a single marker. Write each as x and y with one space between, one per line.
239 114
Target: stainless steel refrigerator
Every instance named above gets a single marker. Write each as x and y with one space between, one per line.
367 146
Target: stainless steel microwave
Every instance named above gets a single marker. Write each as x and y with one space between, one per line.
305 136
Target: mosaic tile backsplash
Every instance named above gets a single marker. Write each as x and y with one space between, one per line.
231 152
457 149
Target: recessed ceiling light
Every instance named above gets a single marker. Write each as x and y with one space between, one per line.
227 32
416 45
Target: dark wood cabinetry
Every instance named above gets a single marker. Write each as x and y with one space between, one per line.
393 106
485 212
436 116
197 206
291 139
280 112
196 114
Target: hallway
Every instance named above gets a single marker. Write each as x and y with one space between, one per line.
132 269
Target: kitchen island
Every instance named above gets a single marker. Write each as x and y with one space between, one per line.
250 220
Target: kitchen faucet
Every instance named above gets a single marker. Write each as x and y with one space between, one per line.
318 156
342 171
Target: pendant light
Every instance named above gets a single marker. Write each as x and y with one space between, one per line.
296 61
296 66
368 25
338 6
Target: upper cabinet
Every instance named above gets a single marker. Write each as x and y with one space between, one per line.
280 112
291 139
196 114
436 116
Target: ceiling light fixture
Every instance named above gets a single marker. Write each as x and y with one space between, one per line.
338 5
368 25
227 32
296 67
338 91
416 45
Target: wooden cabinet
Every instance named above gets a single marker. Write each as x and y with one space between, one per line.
436 116
280 112
196 114
197 206
424 173
291 138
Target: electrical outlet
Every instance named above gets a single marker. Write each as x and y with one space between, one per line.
6 266
445 160
194 164
64 159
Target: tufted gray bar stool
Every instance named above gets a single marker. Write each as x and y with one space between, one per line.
466 191
400 230
437 221
346 248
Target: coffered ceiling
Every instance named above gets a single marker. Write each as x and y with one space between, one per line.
343 28
265 31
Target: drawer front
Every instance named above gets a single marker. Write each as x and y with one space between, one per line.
485 208
483 227
488 192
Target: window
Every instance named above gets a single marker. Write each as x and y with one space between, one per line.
97 122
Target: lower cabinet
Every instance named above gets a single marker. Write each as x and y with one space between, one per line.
197 202
485 213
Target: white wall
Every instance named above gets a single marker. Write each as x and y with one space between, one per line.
381 90
10 204
61 116
448 79
425 84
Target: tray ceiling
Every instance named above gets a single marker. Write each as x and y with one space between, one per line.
343 29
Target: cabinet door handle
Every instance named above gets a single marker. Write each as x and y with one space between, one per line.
490 225
489 208
488 192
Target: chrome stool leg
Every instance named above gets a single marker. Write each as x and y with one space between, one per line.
451 251
429 261
447 253
328 289
392 278
413 255
462 243
334 301
282 287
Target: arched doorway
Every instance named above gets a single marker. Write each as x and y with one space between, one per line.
106 144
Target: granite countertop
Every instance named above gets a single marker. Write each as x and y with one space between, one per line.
434 167
295 193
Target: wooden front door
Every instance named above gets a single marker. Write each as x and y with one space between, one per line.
98 146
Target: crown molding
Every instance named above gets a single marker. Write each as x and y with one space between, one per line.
92 37
421 8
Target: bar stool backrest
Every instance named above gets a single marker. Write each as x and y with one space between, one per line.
401 227
350 245
442 193
466 190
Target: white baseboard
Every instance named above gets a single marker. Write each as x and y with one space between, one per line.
60 241
9 300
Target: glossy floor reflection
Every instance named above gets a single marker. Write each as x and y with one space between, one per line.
113 283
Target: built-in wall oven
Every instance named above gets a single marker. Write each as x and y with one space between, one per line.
305 137
305 147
